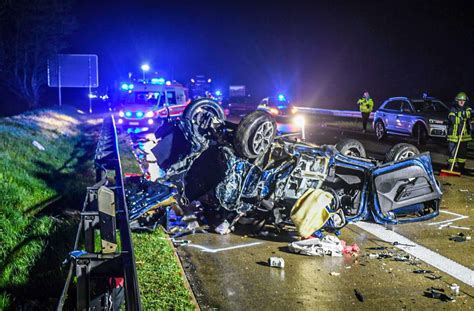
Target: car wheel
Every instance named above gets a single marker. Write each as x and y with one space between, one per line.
201 113
401 151
420 133
351 147
254 134
380 130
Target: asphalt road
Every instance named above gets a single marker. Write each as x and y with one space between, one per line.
230 272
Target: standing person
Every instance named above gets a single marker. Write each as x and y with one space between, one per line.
459 130
366 104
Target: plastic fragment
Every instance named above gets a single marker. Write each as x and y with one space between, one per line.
276 262
359 295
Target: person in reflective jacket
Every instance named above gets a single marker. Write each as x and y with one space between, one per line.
366 104
459 130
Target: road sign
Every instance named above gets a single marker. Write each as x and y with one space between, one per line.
73 70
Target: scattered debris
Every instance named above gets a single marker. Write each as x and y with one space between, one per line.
328 245
455 289
350 249
433 277
404 258
359 295
463 190
277 262
401 244
38 146
460 237
335 273
223 228
437 293
422 271
373 256
180 242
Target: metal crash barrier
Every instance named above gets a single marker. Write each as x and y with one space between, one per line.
102 264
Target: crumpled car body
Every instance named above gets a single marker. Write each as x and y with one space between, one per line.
203 159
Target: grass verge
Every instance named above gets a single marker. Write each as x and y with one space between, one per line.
40 154
162 285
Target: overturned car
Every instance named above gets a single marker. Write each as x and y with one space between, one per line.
247 171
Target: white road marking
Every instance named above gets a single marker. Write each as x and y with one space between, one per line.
458 217
436 260
216 250
461 228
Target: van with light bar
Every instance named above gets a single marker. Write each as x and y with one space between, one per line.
144 103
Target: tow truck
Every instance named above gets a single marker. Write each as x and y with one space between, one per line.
145 103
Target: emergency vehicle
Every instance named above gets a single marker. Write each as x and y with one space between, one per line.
144 103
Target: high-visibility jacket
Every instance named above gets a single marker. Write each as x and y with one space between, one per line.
365 104
456 119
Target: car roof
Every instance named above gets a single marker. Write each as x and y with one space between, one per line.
412 99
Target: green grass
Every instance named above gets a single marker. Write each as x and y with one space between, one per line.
161 283
32 182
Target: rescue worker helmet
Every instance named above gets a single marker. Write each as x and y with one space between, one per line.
461 96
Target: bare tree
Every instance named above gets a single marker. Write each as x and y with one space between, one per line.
31 31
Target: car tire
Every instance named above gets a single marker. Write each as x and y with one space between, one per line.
420 133
351 147
380 131
401 151
200 114
254 134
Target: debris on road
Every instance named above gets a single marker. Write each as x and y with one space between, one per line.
422 271
359 295
328 245
455 289
461 237
437 293
277 262
335 273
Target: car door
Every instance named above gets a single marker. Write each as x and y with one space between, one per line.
390 112
405 191
404 117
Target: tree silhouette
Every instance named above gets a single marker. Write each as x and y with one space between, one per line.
31 32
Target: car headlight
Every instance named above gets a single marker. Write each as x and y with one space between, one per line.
294 110
121 114
433 121
274 111
149 114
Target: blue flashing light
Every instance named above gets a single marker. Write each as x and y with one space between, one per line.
218 93
158 81
139 114
125 86
281 97
138 130
131 86
128 114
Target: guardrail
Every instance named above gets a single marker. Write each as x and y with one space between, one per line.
104 270
331 112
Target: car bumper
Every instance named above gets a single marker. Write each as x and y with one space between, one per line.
438 130
136 126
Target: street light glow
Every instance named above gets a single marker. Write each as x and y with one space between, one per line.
145 67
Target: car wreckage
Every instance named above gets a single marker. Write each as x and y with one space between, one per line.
246 171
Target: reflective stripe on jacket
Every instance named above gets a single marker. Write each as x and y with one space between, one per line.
456 119
365 104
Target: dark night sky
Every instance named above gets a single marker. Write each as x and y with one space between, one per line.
322 54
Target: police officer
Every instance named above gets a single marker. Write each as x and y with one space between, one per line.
366 104
459 118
